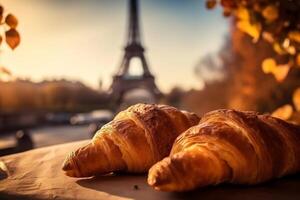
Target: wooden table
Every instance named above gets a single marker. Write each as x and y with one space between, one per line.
37 174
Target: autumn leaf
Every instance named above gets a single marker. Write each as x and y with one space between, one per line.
242 13
268 36
0 39
284 112
295 36
291 50
12 38
288 47
268 65
270 13
210 4
275 22
280 72
278 49
11 21
251 29
296 99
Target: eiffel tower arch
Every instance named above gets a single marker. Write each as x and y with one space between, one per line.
123 81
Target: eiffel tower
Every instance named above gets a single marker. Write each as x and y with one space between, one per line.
122 80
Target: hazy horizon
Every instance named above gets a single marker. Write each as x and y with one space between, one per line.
84 40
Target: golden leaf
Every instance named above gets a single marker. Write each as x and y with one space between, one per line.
251 29
210 4
295 36
242 13
279 71
11 21
286 43
270 13
268 37
288 47
12 38
268 65
291 50
296 99
284 112
278 49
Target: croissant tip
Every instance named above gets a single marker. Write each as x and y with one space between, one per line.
152 181
66 166
157 184
68 169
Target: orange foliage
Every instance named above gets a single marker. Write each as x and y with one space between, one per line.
11 35
12 38
10 23
284 112
280 72
277 22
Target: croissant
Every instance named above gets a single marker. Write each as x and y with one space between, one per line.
136 139
229 146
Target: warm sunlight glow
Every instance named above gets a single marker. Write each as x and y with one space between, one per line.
136 68
83 40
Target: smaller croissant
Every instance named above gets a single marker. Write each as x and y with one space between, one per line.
229 146
136 139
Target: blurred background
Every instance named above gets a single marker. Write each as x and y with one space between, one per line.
68 66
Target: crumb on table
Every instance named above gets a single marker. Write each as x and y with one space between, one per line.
136 187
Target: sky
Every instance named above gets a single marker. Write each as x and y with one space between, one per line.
84 39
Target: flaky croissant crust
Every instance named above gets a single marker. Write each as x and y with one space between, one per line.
229 146
137 138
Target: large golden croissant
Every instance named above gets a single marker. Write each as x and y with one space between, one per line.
136 139
229 146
